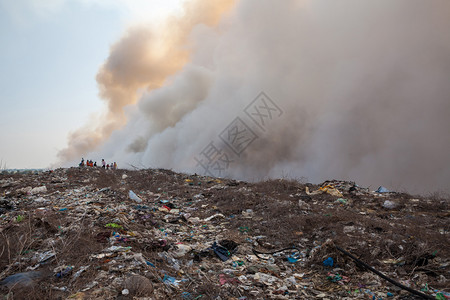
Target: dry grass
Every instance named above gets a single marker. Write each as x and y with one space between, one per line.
415 232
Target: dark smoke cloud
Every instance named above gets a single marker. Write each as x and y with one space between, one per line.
363 85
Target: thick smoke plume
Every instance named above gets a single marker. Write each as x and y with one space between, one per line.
363 87
141 60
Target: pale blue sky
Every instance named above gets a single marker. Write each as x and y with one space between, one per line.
50 52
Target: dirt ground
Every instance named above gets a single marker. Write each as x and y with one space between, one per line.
79 233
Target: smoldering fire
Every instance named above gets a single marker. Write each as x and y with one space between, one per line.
363 86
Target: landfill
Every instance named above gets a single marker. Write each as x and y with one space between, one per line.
90 233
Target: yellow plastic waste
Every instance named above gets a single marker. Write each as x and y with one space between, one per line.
325 189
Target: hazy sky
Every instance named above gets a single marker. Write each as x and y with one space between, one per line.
50 53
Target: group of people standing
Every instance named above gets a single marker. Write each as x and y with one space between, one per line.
90 163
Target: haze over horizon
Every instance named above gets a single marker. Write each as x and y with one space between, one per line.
50 55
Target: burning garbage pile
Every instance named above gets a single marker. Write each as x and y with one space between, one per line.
92 233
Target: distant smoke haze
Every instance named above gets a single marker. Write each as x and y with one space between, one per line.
364 87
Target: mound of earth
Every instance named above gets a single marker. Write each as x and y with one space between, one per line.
90 233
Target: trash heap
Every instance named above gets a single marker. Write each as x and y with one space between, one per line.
89 233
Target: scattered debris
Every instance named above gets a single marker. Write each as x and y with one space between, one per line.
382 189
84 233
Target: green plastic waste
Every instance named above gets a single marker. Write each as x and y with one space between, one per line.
114 225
